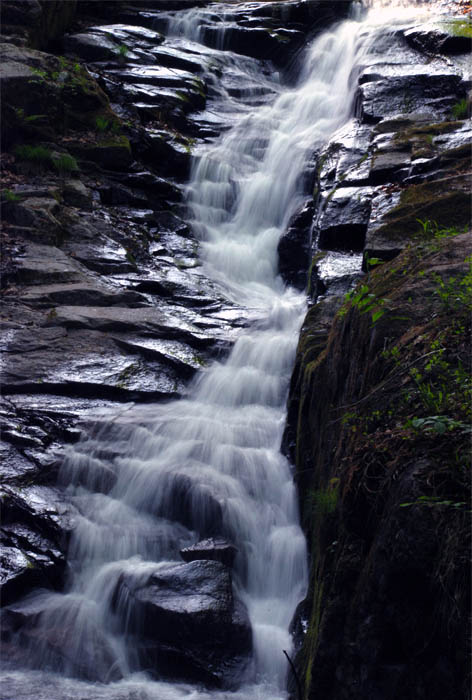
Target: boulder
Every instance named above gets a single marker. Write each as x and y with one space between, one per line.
187 622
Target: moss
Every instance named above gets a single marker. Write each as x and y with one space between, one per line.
458 27
119 141
427 201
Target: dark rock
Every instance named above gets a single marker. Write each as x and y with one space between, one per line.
344 219
216 549
115 195
452 36
113 153
387 90
170 157
294 248
189 625
42 264
76 194
90 46
27 561
87 364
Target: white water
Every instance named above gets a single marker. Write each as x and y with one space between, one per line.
225 438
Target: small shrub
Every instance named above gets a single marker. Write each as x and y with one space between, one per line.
38 155
10 196
65 163
102 124
123 51
459 110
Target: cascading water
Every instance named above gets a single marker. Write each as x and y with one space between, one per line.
223 440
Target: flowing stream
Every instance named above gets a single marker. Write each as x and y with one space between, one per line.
224 438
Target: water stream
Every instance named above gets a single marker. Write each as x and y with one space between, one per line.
224 438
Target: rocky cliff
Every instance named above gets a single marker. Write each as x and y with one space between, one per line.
379 408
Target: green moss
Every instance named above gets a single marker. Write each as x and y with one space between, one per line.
459 27
120 141
427 201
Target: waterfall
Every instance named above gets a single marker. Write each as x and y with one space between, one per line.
223 439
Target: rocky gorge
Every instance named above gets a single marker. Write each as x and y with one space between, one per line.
109 318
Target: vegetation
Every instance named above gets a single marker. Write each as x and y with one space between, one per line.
65 163
10 196
459 110
38 155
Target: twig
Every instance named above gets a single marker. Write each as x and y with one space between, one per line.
294 671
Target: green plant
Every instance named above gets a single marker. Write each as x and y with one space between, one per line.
65 163
123 51
324 501
10 196
437 424
455 293
459 110
102 124
373 262
38 73
39 155
365 302
434 502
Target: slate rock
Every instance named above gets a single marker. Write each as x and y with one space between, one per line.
294 248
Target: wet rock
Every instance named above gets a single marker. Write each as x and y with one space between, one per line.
15 466
388 166
42 264
294 248
387 90
112 153
57 626
216 549
91 46
93 244
395 214
116 195
76 194
79 294
171 157
27 561
37 213
156 187
184 359
344 219
36 519
453 36
189 624
88 364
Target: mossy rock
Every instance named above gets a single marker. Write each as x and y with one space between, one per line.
114 153
44 94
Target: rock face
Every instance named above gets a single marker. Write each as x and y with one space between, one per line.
386 523
375 420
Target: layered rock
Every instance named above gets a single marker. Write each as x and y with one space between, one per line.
378 420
